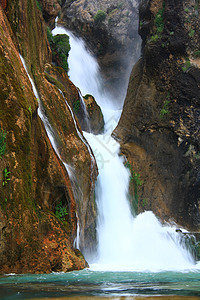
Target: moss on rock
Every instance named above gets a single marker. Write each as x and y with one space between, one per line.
37 176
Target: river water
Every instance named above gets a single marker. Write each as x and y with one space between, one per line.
89 284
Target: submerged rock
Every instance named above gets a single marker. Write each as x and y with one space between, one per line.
159 127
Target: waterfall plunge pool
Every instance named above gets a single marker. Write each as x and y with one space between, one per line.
88 284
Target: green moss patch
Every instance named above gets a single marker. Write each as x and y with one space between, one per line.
60 49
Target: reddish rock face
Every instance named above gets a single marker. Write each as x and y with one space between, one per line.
50 9
3 3
159 127
34 235
94 114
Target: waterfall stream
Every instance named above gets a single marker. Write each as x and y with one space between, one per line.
137 257
125 243
47 125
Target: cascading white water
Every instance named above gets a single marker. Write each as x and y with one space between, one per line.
124 242
127 243
85 74
86 115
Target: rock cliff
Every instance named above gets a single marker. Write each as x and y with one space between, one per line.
39 202
110 29
159 129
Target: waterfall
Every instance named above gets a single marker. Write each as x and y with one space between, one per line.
86 115
125 243
84 72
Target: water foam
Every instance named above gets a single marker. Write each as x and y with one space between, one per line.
125 243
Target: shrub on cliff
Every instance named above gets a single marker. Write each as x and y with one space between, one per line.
100 16
2 142
60 49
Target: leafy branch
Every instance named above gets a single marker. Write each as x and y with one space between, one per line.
6 177
2 142
60 211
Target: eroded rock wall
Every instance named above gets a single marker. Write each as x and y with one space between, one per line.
33 178
159 129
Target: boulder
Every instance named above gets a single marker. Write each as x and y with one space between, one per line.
95 115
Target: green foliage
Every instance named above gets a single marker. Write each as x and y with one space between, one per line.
186 10
154 38
159 22
60 48
61 42
197 156
197 53
49 36
144 202
159 19
5 176
76 106
165 110
135 178
60 211
100 16
87 96
2 142
38 4
191 32
187 65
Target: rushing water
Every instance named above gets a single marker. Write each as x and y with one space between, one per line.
136 256
125 243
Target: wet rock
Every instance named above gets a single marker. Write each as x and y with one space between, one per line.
50 10
110 29
35 237
192 242
95 115
159 127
